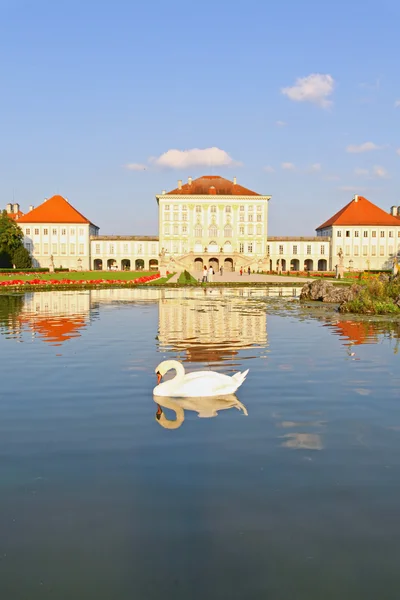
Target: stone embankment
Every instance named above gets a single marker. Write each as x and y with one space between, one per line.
325 291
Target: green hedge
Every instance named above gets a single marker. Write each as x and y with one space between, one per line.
31 270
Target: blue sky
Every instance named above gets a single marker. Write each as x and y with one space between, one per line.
299 98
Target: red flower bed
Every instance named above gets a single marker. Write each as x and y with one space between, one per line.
19 282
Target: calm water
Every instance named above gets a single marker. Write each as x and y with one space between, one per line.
298 500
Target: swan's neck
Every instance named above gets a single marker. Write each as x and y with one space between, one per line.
178 367
178 410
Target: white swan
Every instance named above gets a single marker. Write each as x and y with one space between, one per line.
193 385
205 407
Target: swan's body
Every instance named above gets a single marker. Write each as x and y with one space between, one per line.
197 384
205 407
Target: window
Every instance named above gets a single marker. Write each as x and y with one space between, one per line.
382 234
381 250
45 248
373 234
213 231
176 207
63 248
72 249
36 248
81 248
259 229
366 234
241 218
347 233
251 208
268 249
153 249
213 209
72 231
356 234
54 248
280 249
241 208
347 250
373 251
166 207
184 229
309 249
184 208
250 229
28 246
228 209
365 250
355 250
241 230
28 231
63 232
227 231
250 247
140 249
176 229
198 231
54 232
259 207
166 229
167 216
81 231
398 233
97 249
125 249
45 231
176 216
111 249
175 248
390 250
241 247
390 233
339 233
294 249
198 208
258 248
184 216
259 218
36 231
322 249
250 217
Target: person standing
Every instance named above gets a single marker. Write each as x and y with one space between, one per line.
249 271
241 271
205 274
210 274
221 270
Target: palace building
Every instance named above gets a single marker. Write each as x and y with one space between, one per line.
211 220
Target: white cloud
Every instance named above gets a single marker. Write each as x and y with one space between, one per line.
288 166
281 123
135 167
315 88
397 104
196 157
380 172
315 168
366 147
269 169
361 172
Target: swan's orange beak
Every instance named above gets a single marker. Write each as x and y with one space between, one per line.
159 377
159 412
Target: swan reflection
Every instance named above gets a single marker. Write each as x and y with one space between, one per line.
206 407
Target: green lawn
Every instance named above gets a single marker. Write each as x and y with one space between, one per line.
79 275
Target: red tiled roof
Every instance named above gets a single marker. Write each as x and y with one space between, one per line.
360 211
55 330
214 185
54 210
357 332
15 216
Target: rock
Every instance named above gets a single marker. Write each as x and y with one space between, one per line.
325 291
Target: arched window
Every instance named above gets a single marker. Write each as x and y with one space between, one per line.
166 229
227 231
198 231
213 231
213 209
258 229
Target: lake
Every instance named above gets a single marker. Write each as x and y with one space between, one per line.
300 499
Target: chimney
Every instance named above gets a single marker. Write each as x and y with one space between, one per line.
355 198
31 207
15 209
190 180
398 211
179 184
164 192
234 181
9 208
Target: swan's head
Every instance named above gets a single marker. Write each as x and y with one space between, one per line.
164 367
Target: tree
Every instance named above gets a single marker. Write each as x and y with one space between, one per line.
11 238
22 259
